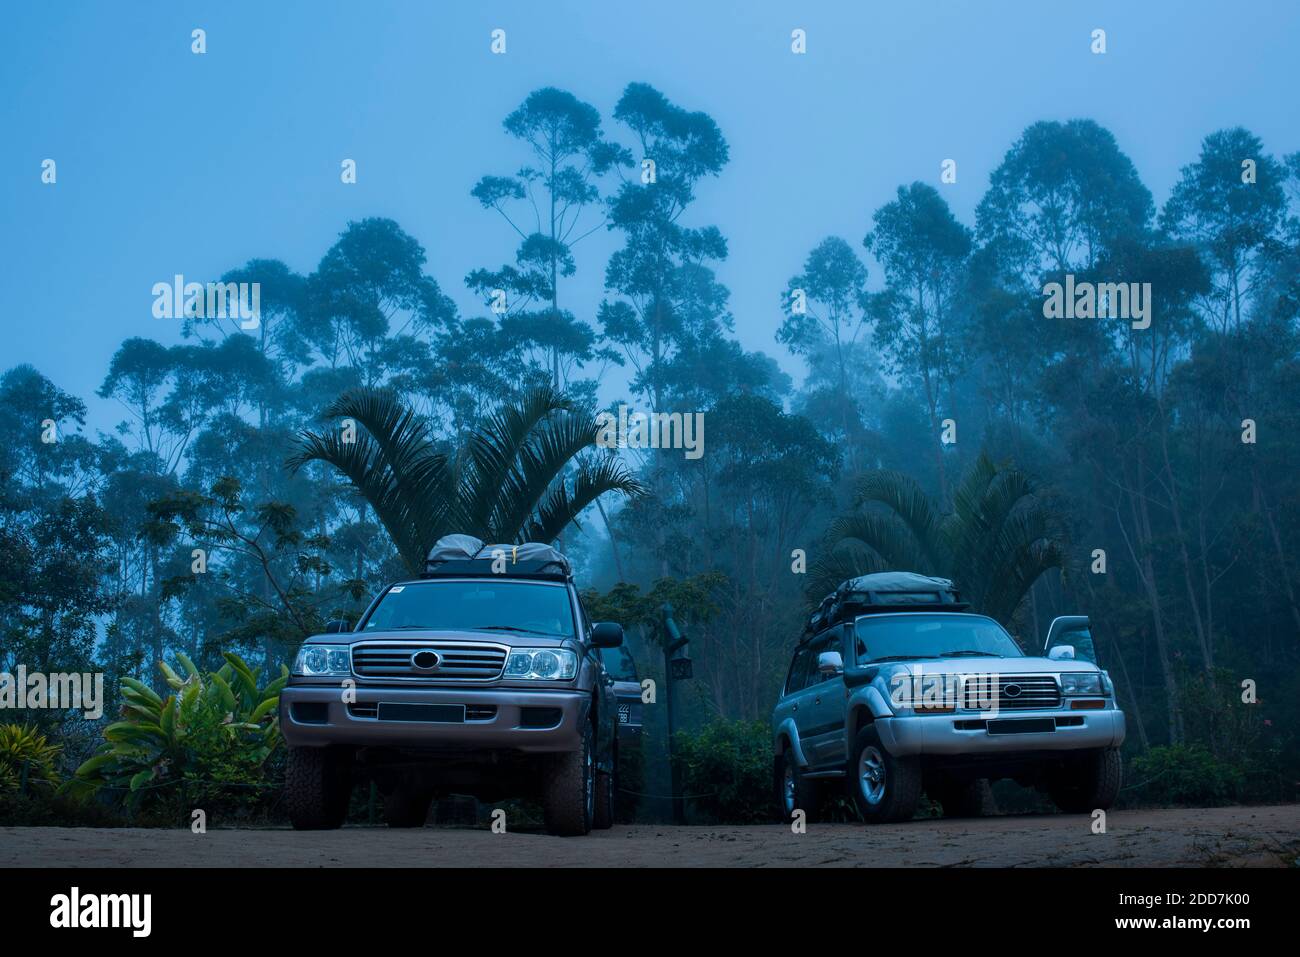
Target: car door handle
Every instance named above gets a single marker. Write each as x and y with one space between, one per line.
795 708
817 701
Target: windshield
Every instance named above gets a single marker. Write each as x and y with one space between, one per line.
480 605
918 635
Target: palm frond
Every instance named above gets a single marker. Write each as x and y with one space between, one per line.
1028 544
840 563
492 451
885 535
907 500
541 460
422 477
357 461
510 483
392 465
1000 537
568 499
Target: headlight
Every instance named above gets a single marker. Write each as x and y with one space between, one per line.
318 661
1082 683
543 664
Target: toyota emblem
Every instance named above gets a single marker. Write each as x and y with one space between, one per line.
425 660
1011 691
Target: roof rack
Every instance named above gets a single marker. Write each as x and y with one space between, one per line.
884 592
465 555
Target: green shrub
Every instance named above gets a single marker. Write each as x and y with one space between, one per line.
212 743
25 752
726 771
1184 774
34 798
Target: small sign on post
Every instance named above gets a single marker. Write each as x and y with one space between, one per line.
678 666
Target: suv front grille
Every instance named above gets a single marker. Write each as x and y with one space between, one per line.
457 661
1012 691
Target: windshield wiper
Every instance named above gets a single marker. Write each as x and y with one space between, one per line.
898 658
527 631
967 651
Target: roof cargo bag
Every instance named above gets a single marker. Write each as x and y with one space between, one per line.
885 592
467 555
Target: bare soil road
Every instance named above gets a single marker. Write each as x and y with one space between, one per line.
1211 837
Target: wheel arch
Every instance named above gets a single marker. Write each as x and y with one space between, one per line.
786 738
859 717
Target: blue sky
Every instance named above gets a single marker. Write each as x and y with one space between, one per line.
174 163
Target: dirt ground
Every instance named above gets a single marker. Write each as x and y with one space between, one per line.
1211 837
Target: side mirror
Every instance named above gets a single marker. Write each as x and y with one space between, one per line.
607 634
830 663
336 625
1061 653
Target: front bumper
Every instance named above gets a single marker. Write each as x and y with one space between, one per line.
505 730
905 735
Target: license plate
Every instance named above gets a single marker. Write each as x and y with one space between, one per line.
1022 726
440 713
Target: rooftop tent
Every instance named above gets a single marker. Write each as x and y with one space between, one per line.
467 555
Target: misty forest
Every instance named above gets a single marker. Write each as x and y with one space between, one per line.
1145 477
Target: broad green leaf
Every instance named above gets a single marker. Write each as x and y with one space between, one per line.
262 709
224 694
173 679
189 665
91 765
168 722
142 689
190 695
151 713
127 731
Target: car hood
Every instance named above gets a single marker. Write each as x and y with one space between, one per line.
511 639
972 665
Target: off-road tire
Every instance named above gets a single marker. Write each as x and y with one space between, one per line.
794 792
901 781
606 795
407 805
568 791
966 799
317 786
1089 783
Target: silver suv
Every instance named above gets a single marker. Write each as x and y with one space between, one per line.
897 688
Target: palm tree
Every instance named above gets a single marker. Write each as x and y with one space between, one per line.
523 475
1000 536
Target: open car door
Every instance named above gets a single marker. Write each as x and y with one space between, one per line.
1071 631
